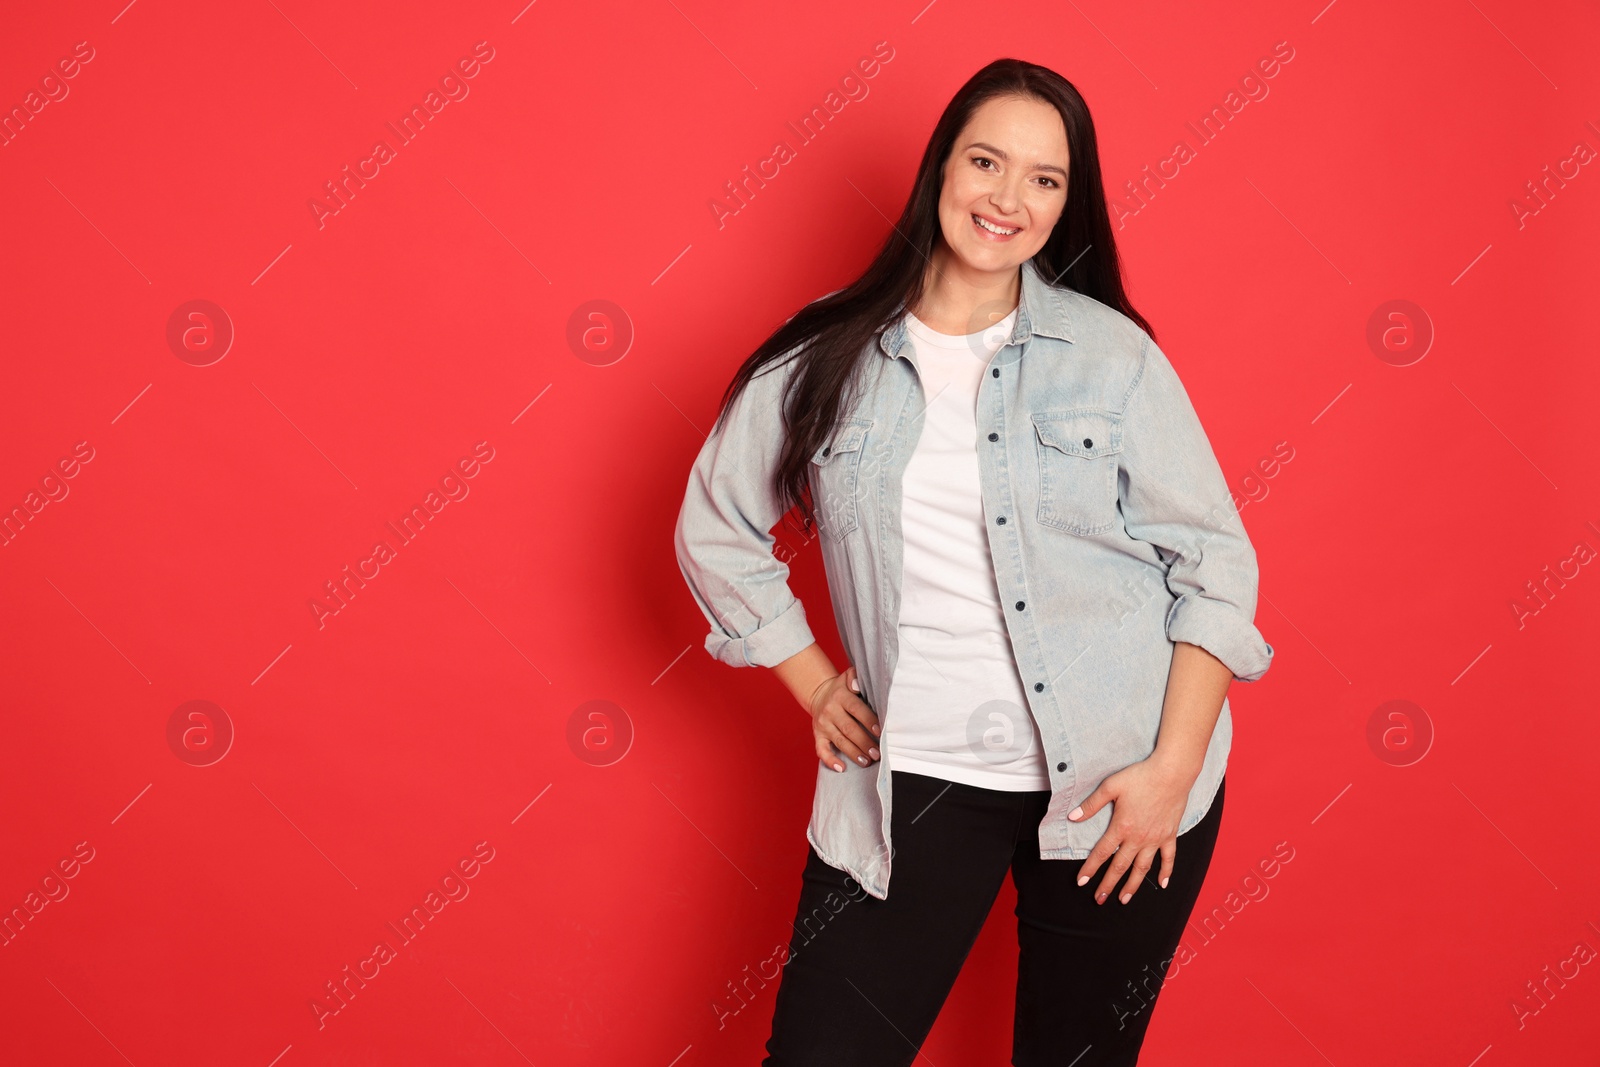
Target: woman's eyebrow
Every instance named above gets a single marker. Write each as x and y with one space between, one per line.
1001 153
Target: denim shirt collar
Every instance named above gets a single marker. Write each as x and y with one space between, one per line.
1041 308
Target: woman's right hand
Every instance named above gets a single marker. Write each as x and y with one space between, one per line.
841 720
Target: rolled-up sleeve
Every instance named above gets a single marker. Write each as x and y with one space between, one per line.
1174 496
723 536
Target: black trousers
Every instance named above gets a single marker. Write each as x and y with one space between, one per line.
866 978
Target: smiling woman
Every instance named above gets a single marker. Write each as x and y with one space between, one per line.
996 452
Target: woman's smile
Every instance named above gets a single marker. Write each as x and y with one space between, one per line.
992 229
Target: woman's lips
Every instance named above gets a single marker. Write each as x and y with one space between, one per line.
989 234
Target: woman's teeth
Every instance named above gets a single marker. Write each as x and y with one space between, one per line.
992 228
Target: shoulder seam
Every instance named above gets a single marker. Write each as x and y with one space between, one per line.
1138 376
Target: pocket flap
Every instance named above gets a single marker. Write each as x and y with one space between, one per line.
1086 433
847 437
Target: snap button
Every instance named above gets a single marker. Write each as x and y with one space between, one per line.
826 450
994 437
1087 443
1061 766
1021 604
995 371
1001 521
1038 687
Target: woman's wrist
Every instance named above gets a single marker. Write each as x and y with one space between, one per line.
1181 767
804 673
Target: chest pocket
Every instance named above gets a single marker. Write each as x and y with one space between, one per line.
836 478
1078 469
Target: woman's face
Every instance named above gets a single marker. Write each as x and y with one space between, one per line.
1007 172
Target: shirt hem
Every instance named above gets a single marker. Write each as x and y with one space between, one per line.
995 780
880 892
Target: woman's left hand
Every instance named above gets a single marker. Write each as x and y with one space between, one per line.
1148 801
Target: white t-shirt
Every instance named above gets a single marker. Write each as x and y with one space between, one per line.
959 710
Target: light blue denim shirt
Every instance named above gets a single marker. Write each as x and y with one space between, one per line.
1111 529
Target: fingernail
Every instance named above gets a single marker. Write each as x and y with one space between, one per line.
1127 897
1076 813
1163 883
1083 879
855 687
1101 899
875 753
838 766
861 760
877 731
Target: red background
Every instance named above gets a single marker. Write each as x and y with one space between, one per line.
432 712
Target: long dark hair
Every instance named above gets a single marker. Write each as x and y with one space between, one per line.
830 336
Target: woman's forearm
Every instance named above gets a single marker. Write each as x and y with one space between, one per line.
804 671
1195 687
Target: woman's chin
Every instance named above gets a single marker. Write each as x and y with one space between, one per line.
988 259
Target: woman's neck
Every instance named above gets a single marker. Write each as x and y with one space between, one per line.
959 300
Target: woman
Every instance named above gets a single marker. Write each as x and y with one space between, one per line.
1040 578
